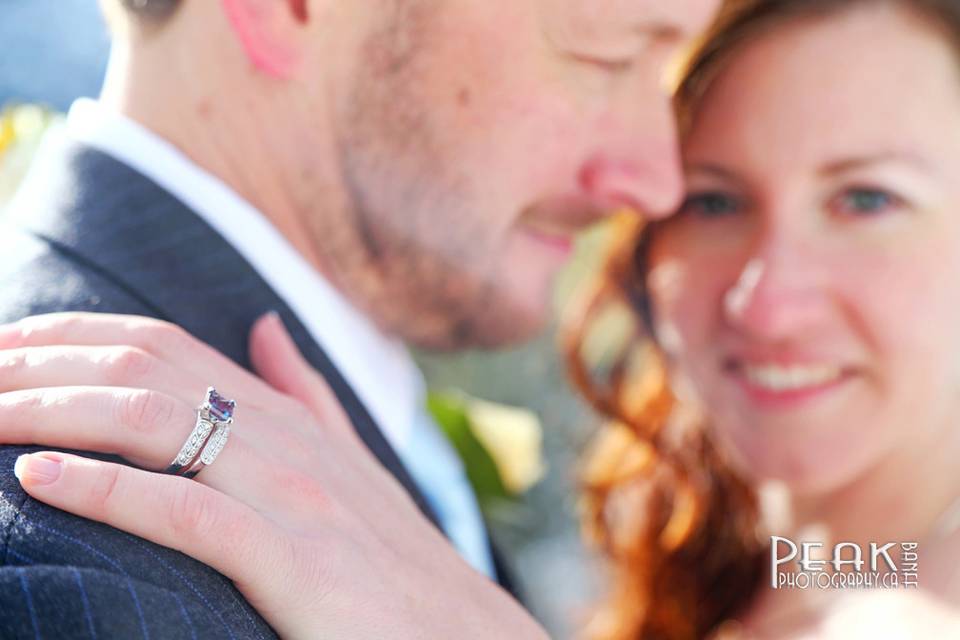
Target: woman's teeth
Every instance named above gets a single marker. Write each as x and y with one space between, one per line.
780 378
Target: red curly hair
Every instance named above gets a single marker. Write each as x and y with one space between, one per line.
679 526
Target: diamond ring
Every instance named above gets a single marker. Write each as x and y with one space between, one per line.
208 438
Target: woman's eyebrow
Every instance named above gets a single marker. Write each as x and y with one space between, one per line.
712 170
861 162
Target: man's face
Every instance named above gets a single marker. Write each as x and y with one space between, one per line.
475 138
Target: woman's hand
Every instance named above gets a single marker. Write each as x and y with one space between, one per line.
319 538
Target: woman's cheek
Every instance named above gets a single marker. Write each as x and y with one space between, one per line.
904 310
688 292
905 305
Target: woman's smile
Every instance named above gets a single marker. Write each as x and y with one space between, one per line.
785 386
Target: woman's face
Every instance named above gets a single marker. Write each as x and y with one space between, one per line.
810 286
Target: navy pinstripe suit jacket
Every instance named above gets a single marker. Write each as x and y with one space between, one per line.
86 232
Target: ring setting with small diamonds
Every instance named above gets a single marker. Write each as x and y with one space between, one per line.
208 438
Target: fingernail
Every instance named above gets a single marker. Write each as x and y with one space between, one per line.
37 469
279 324
269 318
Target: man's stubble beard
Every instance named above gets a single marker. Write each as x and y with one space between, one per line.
410 248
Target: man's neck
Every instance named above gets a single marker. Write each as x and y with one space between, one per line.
236 146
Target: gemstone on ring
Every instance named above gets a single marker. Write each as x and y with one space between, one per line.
221 409
208 438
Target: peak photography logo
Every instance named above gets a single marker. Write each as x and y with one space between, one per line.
890 565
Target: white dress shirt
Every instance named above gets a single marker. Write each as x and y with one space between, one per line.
378 368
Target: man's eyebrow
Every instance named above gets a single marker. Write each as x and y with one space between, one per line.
861 162
659 31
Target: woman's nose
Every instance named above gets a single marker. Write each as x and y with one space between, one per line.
777 297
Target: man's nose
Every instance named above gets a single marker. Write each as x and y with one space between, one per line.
636 162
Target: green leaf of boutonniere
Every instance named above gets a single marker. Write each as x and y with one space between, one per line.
500 445
450 412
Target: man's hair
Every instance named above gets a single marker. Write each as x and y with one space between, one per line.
151 9
145 15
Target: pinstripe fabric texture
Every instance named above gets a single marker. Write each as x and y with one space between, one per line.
86 232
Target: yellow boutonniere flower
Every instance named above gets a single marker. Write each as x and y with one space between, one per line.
514 439
501 446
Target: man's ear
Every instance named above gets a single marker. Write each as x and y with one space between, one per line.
269 32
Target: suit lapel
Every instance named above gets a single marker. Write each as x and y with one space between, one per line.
113 219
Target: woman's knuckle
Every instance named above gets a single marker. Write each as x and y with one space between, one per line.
168 337
191 512
327 572
31 401
128 365
52 328
13 364
146 411
104 488
21 407
14 333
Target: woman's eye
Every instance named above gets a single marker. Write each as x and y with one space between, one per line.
710 205
866 202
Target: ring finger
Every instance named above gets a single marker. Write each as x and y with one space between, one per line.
148 428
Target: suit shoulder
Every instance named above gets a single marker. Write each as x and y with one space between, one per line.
67 602
37 277
58 571
12 496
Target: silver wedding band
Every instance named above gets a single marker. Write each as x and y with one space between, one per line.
208 437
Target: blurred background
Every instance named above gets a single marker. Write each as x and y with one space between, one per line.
53 51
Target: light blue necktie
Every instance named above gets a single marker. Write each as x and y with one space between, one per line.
439 474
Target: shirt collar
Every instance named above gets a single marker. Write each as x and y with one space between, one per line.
378 367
